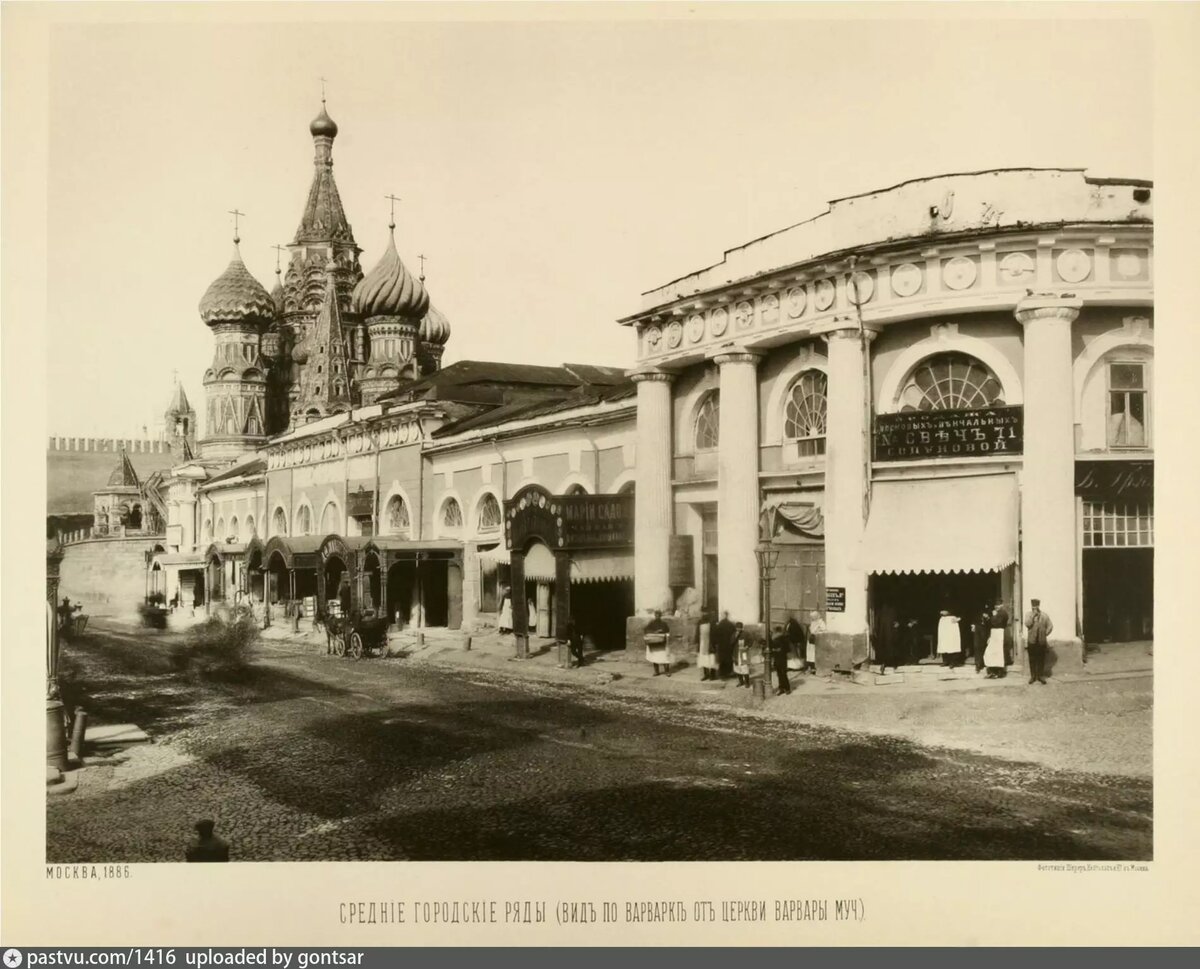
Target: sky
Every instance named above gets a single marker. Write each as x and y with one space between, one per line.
550 172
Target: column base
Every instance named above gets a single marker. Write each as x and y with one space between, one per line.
841 651
1065 656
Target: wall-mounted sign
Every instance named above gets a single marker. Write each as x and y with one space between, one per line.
1114 479
919 434
361 503
681 573
835 598
568 521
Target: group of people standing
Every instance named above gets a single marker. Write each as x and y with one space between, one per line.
725 649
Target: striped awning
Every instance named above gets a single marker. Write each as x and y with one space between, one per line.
496 556
539 563
601 566
962 524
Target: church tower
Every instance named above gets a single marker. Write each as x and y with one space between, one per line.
179 420
325 380
390 301
323 249
237 309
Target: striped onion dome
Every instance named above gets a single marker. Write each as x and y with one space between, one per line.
236 295
390 289
435 328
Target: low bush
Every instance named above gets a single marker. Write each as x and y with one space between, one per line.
220 645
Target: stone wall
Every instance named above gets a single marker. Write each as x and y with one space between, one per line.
105 576
76 467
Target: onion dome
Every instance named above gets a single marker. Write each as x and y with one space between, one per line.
300 353
235 295
435 328
322 124
390 289
277 295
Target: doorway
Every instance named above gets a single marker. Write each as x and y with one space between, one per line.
915 601
1118 594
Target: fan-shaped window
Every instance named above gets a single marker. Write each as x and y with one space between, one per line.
397 516
329 519
279 522
708 422
304 521
490 515
951 381
452 514
804 413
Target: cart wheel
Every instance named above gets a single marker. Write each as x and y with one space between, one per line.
339 646
356 646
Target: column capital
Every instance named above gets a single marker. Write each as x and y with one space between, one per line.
846 328
1047 306
651 374
726 355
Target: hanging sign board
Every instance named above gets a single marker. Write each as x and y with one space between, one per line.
361 503
919 434
835 598
680 565
569 521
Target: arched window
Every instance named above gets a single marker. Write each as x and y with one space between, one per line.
490 515
708 422
233 527
804 413
206 531
279 522
304 521
221 533
329 519
397 516
451 514
951 381
250 526
577 489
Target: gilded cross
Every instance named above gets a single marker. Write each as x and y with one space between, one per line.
236 215
278 253
322 90
422 258
393 199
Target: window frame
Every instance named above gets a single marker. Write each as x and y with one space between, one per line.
1109 363
712 397
926 363
798 447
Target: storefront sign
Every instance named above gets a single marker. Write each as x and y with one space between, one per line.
1114 479
569 521
916 435
680 566
835 598
361 503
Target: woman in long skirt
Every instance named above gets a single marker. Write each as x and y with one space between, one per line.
741 654
816 629
505 622
993 656
706 658
657 639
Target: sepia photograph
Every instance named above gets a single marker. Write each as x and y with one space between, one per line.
597 433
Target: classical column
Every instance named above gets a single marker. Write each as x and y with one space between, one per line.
737 486
652 501
1048 470
846 469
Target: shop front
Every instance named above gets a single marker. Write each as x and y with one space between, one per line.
570 556
222 571
290 572
933 548
1115 541
418 583
795 527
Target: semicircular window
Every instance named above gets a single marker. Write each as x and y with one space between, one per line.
951 381
804 413
708 422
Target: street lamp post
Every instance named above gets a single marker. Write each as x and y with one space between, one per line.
767 555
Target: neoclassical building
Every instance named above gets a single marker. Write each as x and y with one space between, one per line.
926 397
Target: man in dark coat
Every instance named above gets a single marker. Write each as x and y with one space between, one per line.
780 650
575 641
723 640
1037 640
797 637
207 846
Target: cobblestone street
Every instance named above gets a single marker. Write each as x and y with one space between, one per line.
311 757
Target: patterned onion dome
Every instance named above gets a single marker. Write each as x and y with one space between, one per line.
236 295
277 296
390 289
322 124
435 328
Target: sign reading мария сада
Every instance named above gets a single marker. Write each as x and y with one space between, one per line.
918 434
569 521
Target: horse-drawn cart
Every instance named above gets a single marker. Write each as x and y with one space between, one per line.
356 635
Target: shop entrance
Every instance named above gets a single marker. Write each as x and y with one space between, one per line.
434 598
600 610
401 586
1118 594
915 602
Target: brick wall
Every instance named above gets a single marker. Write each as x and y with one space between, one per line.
106 576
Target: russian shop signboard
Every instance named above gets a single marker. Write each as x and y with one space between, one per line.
920 434
569 521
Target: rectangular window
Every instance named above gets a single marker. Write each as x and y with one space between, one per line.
1118 524
1126 405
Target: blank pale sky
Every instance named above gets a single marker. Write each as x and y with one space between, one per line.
551 172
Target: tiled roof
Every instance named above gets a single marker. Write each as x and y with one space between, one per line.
253 466
530 410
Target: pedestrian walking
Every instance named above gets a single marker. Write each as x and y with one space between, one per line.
1037 638
949 641
574 641
797 639
816 629
723 635
657 639
741 648
706 658
207 846
780 648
